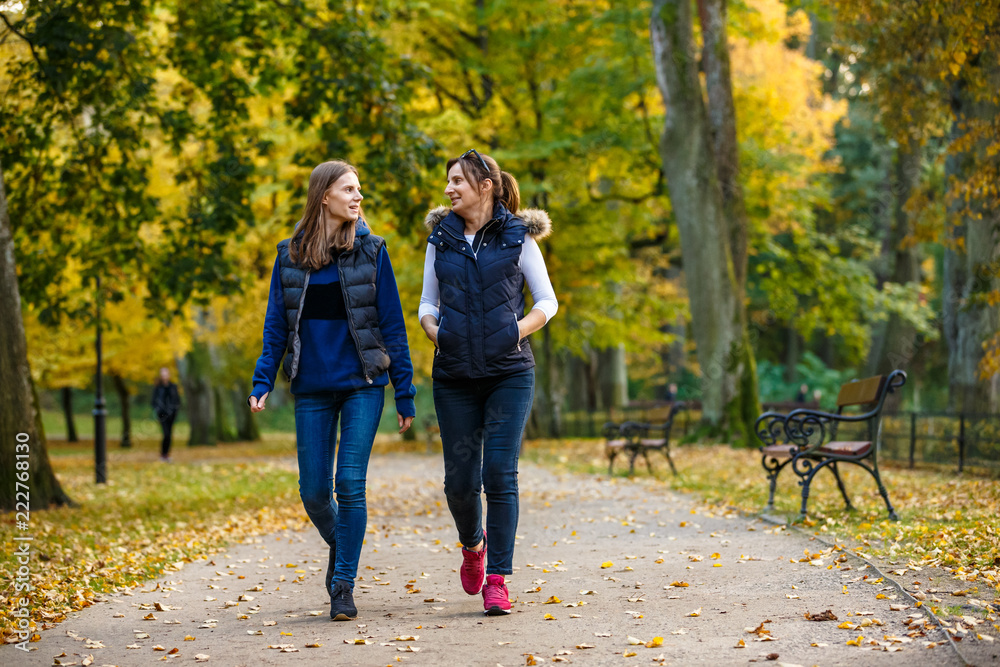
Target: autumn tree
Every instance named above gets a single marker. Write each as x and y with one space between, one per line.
692 137
937 67
72 153
20 416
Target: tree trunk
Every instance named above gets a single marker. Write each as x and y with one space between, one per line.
123 397
612 374
898 345
66 394
538 425
247 429
556 389
199 398
718 314
722 128
22 438
223 431
673 358
576 381
974 245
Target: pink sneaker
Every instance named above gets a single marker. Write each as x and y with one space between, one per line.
473 569
496 600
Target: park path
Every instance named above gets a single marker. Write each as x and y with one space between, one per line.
611 548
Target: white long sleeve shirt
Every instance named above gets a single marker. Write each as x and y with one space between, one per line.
532 266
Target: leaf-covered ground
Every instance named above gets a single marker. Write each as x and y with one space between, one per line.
151 516
604 570
946 520
148 517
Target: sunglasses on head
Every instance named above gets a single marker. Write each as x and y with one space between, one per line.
473 151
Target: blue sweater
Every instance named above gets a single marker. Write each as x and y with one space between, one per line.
329 360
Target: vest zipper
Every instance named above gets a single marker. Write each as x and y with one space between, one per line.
298 318
350 322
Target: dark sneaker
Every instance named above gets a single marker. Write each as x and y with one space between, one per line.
473 570
329 571
342 602
496 600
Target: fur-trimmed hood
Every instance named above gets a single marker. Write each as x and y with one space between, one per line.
535 219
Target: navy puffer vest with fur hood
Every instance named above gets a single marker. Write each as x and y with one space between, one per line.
482 294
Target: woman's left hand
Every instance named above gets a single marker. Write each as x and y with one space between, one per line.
530 323
404 422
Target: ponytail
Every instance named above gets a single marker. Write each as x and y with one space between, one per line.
509 194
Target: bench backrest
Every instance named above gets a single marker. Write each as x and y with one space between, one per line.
861 392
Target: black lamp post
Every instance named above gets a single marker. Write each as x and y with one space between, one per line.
100 413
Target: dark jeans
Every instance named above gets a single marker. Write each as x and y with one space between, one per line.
482 422
167 424
340 522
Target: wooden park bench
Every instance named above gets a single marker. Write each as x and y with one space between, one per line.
807 438
639 438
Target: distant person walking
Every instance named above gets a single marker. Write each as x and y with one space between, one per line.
480 254
166 402
333 312
671 393
803 394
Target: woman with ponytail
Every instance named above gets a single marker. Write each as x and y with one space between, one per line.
480 254
334 314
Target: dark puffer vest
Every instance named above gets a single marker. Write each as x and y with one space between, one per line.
357 269
482 295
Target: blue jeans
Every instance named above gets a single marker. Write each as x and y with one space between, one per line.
340 522
482 422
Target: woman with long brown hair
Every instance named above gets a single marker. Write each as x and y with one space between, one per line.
334 313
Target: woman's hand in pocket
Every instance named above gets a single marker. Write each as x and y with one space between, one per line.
430 326
530 323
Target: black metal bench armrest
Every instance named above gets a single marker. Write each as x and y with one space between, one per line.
634 430
611 430
769 427
810 427
645 428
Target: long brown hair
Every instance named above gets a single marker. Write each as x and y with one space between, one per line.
311 246
504 185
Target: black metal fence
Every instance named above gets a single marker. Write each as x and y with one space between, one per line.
912 438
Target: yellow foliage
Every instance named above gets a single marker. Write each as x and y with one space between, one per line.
782 112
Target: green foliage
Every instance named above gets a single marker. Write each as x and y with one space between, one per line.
73 148
810 371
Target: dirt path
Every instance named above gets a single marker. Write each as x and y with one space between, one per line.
608 550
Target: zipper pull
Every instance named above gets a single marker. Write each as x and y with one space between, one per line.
369 379
518 346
